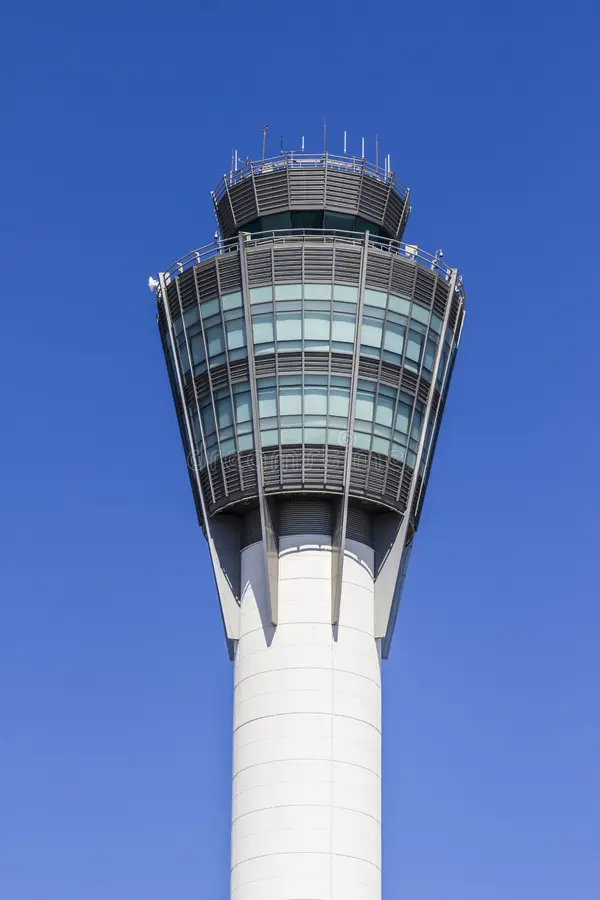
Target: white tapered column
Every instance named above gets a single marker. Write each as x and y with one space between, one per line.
307 731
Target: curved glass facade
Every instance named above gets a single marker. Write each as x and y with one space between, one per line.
331 365
308 317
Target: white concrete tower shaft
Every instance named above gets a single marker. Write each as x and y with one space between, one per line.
306 821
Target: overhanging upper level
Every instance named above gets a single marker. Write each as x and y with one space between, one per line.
303 190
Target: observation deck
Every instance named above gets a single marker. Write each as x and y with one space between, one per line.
304 190
311 364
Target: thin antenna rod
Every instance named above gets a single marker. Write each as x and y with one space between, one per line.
235 161
362 152
303 143
281 144
377 152
264 147
324 136
345 142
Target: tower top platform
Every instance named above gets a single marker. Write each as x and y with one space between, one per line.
358 194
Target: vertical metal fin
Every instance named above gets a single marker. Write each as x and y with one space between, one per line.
390 538
271 553
269 535
341 512
338 541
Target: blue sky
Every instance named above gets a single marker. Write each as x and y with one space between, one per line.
115 686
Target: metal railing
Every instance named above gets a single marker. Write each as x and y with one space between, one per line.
293 159
315 236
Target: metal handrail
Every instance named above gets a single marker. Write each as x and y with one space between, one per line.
314 235
293 159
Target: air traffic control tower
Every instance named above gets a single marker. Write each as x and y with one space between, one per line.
310 353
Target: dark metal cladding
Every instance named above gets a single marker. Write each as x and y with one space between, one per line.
345 186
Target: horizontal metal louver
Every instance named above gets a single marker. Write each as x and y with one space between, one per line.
424 286
260 267
206 280
251 530
373 197
403 277
173 299
358 470
272 192
187 288
334 475
347 265
288 264
368 367
392 478
393 214
249 473
453 312
359 526
390 374
227 223
313 466
239 371
243 201
378 270
318 263
264 365
229 274
440 297
343 191
218 378
307 189
305 516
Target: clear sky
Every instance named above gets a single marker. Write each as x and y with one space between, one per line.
115 686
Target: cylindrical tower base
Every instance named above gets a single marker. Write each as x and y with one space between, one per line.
307 730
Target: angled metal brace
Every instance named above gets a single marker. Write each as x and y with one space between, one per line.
269 536
230 610
390 578
341 510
